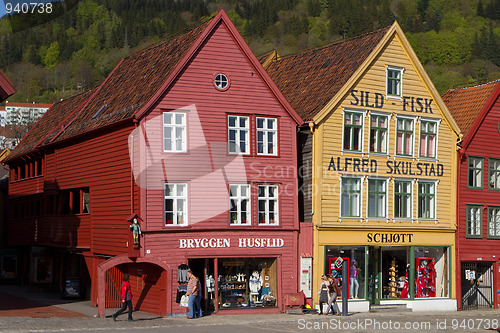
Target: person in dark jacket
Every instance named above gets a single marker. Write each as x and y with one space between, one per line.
126 295
333 293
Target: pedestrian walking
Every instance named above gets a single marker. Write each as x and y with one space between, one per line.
192 293
198 309
333 292
126 295
323 293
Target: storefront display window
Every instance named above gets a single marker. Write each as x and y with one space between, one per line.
395 270
355 256
247 283
431 272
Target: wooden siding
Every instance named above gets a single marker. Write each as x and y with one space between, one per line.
373 81
207 133
167 248
485 144
305 174
101 163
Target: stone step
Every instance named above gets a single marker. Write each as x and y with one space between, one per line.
389 308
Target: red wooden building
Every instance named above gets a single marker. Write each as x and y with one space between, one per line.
191 138
477 112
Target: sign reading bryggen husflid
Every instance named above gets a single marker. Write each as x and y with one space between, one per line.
383 169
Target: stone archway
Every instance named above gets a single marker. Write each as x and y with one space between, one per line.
124 259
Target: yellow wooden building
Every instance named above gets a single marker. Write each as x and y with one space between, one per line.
378 170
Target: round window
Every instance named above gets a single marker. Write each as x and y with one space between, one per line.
221 82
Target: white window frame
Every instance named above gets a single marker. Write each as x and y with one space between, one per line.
239 197
373 114
385 181
437 122
266 198
478 224
396 137
493 173
410 199
174 127
434 183
481 175
361 135
266 131
360 206
238 130
494 226
175 208
401 72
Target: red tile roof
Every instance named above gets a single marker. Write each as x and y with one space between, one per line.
465 104
129 86
310 79
6 87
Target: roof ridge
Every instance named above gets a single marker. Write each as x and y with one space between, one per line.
337 42
173 36
474 86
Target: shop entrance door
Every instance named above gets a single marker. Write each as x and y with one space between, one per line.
477 285
203 269
374 275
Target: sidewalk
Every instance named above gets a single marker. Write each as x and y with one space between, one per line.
24 310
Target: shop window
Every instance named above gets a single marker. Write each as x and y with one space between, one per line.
351 197
377 194
428 136
474 221
266 136
475 172
175 204
356 265
247 283
239 203
493 222
431 272
404 136
494 174
394 81
378 134
268 204
353 131
402 199
426 200
395 272
174 132
238 134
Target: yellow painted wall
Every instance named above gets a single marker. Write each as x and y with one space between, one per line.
330 228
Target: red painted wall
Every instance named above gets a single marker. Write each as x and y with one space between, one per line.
100 162
484 144
208 110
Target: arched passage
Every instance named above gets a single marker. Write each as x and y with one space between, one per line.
124 259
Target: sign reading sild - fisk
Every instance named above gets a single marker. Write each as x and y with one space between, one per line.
376 100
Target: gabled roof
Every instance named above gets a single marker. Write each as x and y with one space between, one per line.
6 87
310 79
133 87
469 106
315 81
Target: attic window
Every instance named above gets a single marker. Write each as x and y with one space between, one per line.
221 81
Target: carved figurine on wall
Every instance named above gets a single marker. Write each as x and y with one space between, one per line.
136 230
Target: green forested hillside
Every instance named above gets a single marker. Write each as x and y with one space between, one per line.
50 57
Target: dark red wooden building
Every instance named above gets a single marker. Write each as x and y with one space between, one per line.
191 138
477 112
